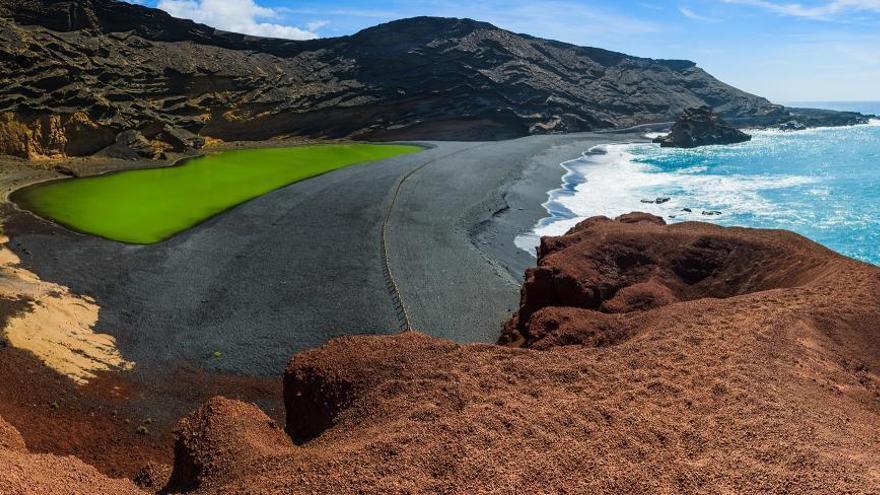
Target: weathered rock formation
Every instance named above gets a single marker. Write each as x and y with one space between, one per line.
814 117
51 135
701 127
216 442
77 73
792 125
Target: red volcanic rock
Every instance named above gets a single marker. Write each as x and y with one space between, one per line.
637 263
683 358
10 439
23 473
222 439
315 392
153 476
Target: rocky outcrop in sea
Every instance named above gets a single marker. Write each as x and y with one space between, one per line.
701 127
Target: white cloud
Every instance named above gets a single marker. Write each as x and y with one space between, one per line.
690 14
816 11
316 25
239 16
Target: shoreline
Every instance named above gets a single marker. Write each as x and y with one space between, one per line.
176 162
511 194
527 195
568 182
243 283
733 193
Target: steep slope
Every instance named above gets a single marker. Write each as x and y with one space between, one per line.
78 72
684 358
22 472
654 358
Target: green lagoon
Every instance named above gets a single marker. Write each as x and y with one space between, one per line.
149 205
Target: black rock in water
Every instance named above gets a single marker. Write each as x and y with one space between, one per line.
792 125
701 127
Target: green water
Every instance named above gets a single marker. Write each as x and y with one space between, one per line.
147 206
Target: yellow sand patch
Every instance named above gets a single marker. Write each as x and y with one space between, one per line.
58 328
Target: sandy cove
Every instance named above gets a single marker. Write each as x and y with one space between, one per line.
498 188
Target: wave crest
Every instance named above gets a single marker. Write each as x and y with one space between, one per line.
612 180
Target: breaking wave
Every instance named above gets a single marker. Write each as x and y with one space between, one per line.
822 183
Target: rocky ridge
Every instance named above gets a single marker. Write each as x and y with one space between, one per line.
87 76
645 358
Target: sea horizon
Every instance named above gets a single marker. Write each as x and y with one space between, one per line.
862 106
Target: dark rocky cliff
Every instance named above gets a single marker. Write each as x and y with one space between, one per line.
77 73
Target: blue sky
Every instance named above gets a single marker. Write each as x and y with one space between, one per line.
806 51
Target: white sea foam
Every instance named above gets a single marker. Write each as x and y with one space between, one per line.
653 135
809 130
610 181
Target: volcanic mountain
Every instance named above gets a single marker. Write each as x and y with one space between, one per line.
82 76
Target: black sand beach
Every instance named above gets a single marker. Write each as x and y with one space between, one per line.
296 267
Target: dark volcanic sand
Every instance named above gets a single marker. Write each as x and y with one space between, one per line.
298 266
283 273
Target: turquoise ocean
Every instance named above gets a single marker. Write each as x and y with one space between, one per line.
822 183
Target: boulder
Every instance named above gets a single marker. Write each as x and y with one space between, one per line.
792 125
67 171
223 433
180 139
132 145
701 127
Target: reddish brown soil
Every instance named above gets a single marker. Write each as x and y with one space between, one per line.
663 359
25 473
116 424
